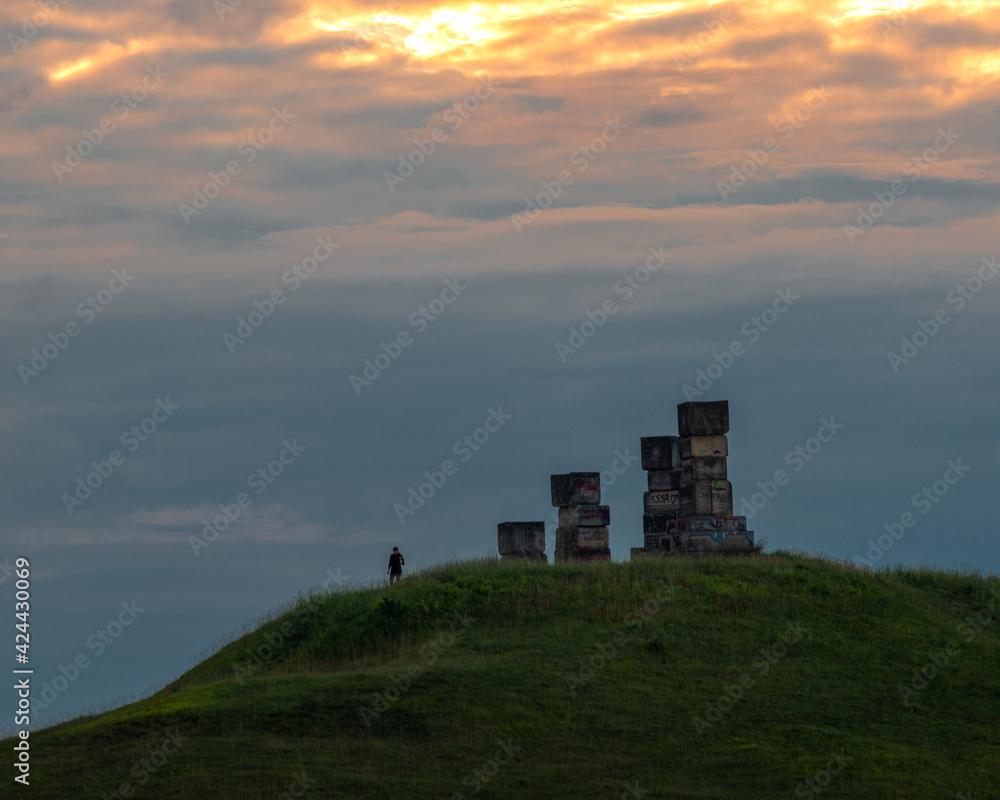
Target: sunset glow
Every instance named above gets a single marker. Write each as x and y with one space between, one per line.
479 33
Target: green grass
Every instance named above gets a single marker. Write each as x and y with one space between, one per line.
594 675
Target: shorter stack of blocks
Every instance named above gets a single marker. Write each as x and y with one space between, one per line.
689 505
583 533
521 540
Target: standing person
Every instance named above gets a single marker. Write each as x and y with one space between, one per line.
395 566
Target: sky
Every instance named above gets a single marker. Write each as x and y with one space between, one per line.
285 285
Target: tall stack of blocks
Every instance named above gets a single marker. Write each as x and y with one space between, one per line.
583 533
689 505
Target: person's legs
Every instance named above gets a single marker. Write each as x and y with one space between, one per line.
393 577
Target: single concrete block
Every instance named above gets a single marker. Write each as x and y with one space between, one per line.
703 419
592 537
669 500
694 446
585 516
658 522
660 452
703 468
696 498
660 479
722 498
521 538
576 488
707 498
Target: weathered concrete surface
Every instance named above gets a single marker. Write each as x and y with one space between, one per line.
703 419
582 544
658 480
694 446
593 554
584 515
576 488
707 498
722 498
592 537
704 542
660 452
521 538
685 541
658 522
669 500
708 524
703 468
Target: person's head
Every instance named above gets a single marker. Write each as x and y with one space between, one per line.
395 549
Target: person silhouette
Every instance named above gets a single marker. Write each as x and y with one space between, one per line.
396 562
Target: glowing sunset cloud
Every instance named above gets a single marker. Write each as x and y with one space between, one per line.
105 54
570 37
72 69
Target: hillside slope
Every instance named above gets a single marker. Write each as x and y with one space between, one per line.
750 677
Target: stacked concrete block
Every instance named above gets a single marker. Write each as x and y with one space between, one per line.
689 505
661 459
583 533
521 540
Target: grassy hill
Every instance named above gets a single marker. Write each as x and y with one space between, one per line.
743 677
